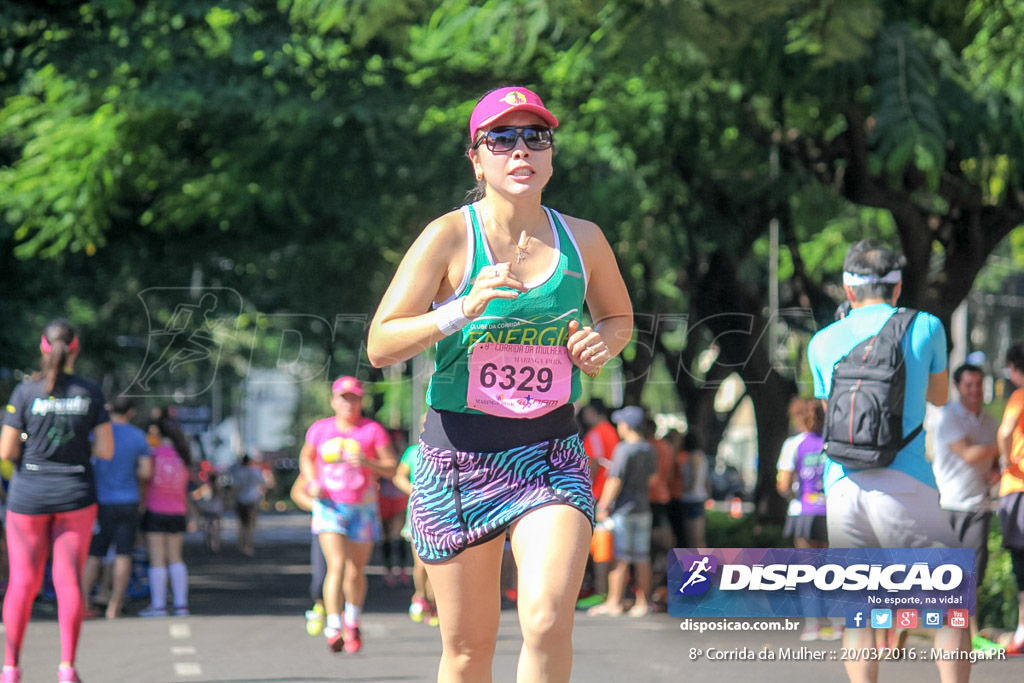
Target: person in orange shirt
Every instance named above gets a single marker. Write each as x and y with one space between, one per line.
666 489
599 440
1011 484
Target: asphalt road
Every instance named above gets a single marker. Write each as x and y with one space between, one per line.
247 627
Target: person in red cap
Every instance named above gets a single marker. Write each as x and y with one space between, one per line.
498 287
340 461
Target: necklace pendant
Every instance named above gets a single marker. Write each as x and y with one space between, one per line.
521 252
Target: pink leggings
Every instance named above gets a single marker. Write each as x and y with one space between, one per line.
29 538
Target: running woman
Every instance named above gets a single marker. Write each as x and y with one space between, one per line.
51 504
499 286
341 460
165 519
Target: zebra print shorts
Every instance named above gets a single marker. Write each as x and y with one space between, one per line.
461 499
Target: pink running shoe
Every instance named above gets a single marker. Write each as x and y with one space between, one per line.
67 674
336 642
353 640
11 674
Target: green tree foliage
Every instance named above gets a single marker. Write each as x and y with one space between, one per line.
291 150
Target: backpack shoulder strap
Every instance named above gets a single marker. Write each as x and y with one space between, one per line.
893 330
898 323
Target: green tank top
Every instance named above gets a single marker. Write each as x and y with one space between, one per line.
540 316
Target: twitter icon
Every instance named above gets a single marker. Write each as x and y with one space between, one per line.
881 618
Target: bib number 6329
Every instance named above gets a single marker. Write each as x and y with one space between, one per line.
513 380
523 378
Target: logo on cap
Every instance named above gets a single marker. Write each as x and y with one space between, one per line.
513 98
347 385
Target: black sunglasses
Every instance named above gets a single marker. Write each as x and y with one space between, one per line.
504 138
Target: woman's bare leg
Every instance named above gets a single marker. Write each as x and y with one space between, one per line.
469 607
550 545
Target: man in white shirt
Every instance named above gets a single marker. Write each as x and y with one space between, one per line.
966 466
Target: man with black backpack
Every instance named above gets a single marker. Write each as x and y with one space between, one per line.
875 368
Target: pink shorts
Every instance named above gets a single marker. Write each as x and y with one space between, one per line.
391 507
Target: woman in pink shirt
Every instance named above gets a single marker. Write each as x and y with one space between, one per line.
341 460
164 520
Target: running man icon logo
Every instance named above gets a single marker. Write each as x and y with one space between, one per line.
696 581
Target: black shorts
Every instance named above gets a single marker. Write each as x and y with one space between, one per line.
971 528
246 513
1011 518
811 527
155 523
115 524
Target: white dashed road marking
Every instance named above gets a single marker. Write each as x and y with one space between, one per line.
188 669
180 631
184 669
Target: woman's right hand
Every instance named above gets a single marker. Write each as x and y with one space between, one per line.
492 282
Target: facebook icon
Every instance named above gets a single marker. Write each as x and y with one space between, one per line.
856 618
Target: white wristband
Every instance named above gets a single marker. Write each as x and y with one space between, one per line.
451 318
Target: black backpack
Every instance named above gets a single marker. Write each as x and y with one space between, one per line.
864 414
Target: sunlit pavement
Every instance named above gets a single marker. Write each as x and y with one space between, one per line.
247 626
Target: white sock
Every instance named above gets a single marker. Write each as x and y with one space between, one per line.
179 583
158 587
334 621
351 615
1018 635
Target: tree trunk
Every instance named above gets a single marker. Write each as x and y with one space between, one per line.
771 406
740 338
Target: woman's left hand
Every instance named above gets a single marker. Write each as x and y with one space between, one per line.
587 349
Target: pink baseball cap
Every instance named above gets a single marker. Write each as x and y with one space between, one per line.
497 103
347 385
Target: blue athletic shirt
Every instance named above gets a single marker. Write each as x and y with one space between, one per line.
117 481
924 352
54 473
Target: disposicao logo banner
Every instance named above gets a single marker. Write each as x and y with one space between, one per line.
829 582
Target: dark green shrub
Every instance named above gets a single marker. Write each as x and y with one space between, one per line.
997 596
724 531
